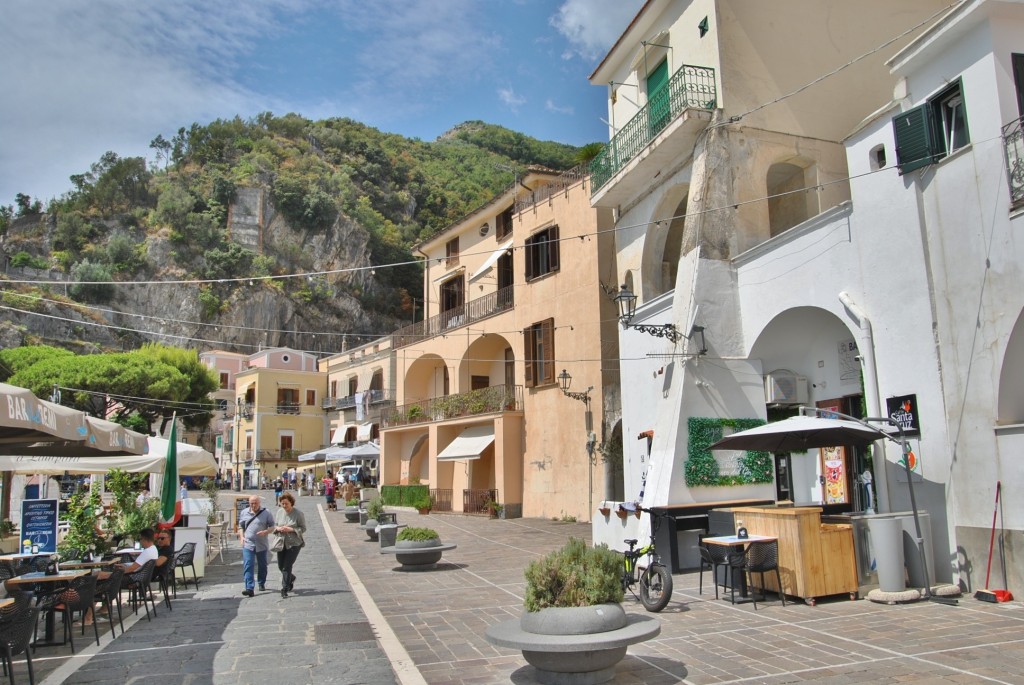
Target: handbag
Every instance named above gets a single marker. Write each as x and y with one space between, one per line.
278 544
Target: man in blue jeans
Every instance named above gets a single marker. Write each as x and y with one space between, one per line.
253 525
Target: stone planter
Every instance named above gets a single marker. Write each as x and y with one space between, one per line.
371 529
574 645
418 555
351 514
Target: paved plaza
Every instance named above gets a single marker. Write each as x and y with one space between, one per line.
355 618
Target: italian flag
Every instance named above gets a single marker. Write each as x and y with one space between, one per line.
170 496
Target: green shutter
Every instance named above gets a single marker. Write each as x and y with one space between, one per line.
658 98
915 139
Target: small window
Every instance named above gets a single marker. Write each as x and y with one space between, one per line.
311 398
540 353
877 157
504 224
353 383
451 252
225 378
927 133
542 253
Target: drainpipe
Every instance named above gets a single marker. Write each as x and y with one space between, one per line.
866 347
426 284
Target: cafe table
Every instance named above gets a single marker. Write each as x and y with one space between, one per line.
739 543
76 564
39 578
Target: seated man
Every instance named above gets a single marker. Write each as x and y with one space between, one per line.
149 553
165 550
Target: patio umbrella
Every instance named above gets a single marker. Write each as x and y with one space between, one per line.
26 419
799 434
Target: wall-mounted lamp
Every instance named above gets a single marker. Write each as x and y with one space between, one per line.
627 309
565 380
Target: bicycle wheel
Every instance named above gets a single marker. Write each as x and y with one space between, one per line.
655 587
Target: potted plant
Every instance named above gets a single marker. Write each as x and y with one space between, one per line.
374 510
7 529
423 503
604 509
418 548
352 510
574 622
493 508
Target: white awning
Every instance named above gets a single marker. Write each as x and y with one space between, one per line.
450 274
469 444
491 259
339 433
364 431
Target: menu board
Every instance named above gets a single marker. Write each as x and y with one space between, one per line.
39 524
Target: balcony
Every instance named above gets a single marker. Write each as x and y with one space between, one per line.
288 408
277 455
497 398
376 396
481 308
246 410
675 116
1013 143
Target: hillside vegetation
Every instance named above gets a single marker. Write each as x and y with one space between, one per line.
338 197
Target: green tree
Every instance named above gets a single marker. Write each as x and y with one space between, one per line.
14 359
92 282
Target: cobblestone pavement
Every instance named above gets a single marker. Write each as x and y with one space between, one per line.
440 617
356 618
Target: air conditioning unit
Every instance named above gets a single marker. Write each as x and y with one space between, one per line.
785 387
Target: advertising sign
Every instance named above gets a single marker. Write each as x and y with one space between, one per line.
903 410
39 524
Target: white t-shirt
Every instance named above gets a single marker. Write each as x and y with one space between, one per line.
150 553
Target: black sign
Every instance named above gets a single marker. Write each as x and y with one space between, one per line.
903 410
39 524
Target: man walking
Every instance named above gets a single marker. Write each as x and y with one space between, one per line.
253 525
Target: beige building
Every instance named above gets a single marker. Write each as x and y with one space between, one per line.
513 296
278 413
226 365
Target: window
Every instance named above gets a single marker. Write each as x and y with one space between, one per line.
224 380
334 388
504 224
287 400
540 353
542 253
451 252
453 296
1018 80
310 398
927 133
353 383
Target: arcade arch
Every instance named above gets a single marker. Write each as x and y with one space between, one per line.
663 243
1010 409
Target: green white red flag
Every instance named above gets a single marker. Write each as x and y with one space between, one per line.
170 495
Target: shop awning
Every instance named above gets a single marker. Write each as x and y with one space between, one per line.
491 259
364 431
340 433
470 444
192 461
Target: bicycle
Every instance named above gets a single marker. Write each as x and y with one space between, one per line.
653 578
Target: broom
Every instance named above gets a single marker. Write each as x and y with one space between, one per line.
988 595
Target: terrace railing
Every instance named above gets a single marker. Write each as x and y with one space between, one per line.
689 88
1013 143
496 398
481 308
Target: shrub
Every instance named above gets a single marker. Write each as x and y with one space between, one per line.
422 501
354 502
374 508
574 576
418 534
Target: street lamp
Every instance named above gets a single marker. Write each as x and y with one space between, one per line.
626 301
565 380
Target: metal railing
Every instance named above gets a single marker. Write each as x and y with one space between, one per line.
475 501
496 398
349 402
288 408
246 410
560 183
690 87
475 310
1013 143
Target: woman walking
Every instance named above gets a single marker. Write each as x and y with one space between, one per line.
290 524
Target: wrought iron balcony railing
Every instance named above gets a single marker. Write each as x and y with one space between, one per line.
373 397
496 398
1013 143
689 88
288 408
475 310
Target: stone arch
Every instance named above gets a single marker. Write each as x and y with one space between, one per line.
419 459
485 357
663 243
1010 409
424 379
787 204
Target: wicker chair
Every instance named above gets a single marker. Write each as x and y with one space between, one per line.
760 558
712 557
186 557
16 630
80 595
138 584
109 593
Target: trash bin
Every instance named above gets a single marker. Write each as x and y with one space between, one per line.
911 553
886 534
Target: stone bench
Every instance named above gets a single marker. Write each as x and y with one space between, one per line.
418 558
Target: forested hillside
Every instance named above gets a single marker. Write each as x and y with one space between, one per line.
221 207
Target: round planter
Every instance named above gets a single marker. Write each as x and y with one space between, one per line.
351 514
419 558
371 528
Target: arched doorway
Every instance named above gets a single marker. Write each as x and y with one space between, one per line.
663 243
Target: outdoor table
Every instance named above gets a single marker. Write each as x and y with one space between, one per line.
741 543
38 578
77 564
6 602
128 554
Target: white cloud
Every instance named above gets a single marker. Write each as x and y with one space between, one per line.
593 26
510 98
550 106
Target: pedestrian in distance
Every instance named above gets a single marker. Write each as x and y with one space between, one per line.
329 486
290 524
278 489
254 524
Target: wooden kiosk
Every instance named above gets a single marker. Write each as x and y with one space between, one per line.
815 559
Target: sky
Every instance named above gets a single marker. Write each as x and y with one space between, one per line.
80 78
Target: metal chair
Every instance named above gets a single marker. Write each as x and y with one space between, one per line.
16 630
186 557
760 558
80 596
139 584
109 593
166 576
712 557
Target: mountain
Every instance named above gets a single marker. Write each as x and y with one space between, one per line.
181 251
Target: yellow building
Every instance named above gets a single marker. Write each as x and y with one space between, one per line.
515 293
277 413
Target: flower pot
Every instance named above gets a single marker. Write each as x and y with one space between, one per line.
621 513
424 510
605 511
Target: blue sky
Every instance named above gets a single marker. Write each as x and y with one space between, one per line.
83 77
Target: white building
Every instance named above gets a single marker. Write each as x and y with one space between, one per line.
764 204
